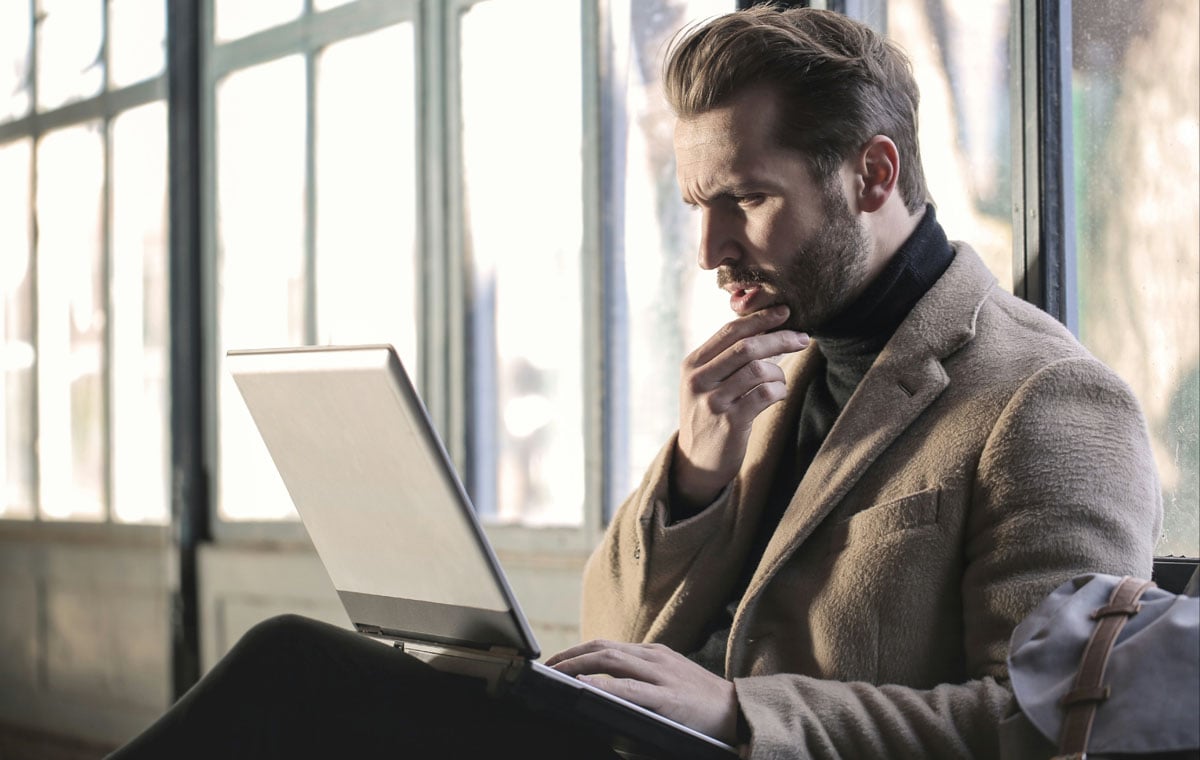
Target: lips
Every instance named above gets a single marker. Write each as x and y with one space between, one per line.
746 298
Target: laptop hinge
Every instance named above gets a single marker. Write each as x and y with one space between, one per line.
498 666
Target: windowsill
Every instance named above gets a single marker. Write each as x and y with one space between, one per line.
91 533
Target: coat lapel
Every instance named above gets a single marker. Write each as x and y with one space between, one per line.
906 378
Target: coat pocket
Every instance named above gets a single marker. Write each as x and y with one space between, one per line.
880 520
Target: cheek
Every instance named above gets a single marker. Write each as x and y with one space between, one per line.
778 237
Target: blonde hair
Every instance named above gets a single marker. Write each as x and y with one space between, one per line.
838 83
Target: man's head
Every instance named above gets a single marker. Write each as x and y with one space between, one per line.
786 141
837 81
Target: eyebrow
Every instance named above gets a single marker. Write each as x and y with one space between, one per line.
731 192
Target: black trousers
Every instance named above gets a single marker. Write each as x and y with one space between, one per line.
298 688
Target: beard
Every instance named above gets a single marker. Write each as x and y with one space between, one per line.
823 273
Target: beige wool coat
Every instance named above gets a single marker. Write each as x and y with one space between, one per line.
984 459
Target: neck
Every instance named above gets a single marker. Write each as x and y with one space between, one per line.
888 228
884 303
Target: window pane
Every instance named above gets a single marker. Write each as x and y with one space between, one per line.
260 233
68 61
238 18
524 231
16 330
1137 183
136 36
14 59
71 323
959 53
671 304
366 202
138 283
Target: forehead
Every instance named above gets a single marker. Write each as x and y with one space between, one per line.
738 133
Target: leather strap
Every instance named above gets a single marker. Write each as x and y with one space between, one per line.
1089 690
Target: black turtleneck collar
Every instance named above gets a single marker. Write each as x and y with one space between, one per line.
880 309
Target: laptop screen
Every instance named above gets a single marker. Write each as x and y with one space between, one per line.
371 482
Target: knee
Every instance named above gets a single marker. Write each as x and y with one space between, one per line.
276 633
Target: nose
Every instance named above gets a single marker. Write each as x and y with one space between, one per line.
718 244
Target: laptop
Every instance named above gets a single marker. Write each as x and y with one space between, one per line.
401 542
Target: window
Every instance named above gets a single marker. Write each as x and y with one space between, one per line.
1137 185
369 177
315 192
522 219
506 266
16 280
508 285
84 311
960 56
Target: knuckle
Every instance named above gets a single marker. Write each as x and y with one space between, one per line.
713 405
659 649
769 393
760 369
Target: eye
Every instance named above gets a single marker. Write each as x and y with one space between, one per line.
750 200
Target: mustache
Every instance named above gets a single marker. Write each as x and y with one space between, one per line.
729 274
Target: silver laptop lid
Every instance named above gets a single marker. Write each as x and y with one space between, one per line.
378 495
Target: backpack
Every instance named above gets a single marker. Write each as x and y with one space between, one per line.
1106 667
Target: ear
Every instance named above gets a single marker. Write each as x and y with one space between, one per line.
878 168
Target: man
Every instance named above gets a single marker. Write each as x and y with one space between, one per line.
847 541
829 557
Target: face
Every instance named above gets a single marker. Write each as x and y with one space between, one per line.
773 232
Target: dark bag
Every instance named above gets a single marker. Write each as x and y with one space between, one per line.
1106 667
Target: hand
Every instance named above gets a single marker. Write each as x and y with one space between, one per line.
659 679
726 383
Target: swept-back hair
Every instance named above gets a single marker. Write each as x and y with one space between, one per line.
838 83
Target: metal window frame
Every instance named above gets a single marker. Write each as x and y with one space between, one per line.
1044 246
188 288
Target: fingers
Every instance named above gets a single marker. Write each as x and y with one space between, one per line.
760 323
613 658
746 363
757 382
657 678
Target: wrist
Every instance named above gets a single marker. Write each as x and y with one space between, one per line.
689 495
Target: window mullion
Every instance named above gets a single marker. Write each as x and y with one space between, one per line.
189 321
310 193
614 325
1057 196
457 292
1044 198
596 269
435 346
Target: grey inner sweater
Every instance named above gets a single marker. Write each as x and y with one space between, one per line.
849 345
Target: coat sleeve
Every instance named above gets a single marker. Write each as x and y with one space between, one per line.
642 565
1065 484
